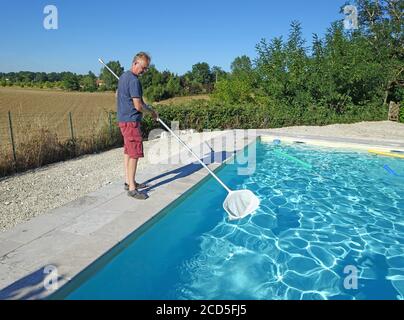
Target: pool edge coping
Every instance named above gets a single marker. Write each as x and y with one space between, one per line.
334 142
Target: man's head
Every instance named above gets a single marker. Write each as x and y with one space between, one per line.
140 63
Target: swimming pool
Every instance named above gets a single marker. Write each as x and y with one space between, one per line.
330 230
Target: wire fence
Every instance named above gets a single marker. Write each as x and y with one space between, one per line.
16 128
30 140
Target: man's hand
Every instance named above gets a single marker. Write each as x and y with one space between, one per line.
155 115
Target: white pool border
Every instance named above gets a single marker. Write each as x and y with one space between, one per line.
338 144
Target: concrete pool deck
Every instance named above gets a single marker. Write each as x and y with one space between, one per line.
71 237
334 142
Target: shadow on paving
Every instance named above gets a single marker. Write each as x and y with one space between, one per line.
187 170
30 287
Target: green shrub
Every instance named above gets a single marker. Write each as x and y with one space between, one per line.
44 147
201 115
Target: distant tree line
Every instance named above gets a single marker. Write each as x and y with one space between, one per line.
58 80
163 85
156 85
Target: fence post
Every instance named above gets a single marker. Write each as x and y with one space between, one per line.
71 125
110 123
12 135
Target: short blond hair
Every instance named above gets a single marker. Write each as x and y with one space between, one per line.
142 55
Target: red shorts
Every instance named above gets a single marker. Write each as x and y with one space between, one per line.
132 138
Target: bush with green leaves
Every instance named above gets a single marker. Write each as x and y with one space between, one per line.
204 115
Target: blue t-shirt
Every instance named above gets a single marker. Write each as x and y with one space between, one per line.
129 87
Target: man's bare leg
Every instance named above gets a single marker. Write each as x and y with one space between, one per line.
131 171
126 165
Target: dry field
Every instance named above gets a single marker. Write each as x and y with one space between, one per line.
32 110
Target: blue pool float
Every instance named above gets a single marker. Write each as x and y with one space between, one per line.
391 171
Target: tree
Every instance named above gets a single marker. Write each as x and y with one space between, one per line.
40 77
238 87
271 69
111 83
53 77
70 81
88 82
241 65
156 93
173 87
201 73
147 78
26 76
218 73
233 91
381 22
297 70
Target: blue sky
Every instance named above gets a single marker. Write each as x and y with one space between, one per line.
177 34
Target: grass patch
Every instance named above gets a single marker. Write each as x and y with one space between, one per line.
44 146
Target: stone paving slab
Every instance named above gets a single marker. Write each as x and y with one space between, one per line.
91 221
8 246
34 229
35 254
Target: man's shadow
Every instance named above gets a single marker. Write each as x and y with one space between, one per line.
186 170
30 287
375 287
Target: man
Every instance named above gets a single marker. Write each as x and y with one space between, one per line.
130 113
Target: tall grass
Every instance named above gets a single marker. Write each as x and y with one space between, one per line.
36 148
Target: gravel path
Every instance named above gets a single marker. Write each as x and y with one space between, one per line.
29 194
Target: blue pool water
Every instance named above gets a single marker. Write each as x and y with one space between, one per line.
315 228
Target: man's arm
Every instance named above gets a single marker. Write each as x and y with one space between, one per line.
142 107
138 103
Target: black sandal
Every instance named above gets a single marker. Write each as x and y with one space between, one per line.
137 195
137 186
